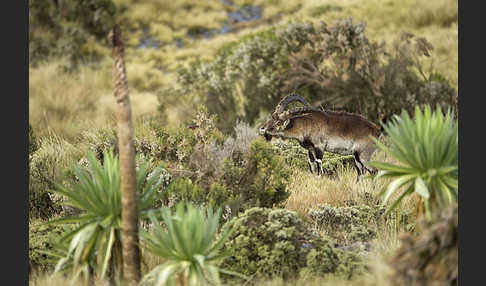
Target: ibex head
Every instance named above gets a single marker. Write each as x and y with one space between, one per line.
276 123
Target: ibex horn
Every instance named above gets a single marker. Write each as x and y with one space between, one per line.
284 102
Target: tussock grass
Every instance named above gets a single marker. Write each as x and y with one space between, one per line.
308 190
66 103
56 150
46 279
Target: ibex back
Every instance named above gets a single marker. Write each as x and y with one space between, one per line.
321 130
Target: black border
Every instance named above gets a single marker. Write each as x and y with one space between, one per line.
471 110
14 23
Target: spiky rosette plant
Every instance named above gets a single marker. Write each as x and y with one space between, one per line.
95 239
191 245
426 149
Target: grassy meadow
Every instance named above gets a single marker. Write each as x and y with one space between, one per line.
72 113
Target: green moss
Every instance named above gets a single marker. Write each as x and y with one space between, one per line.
275 243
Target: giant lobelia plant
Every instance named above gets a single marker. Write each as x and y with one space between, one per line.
191 245
426 149
94 243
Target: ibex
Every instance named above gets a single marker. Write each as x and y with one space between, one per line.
323 130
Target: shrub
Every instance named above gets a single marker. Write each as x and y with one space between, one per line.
42 237
348 224
427 151
431 258
259 179
240 82
62 28
183 189
50 163
240 173
270 243
208 158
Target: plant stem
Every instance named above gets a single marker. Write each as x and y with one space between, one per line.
131 254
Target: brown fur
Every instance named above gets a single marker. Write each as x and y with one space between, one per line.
343 124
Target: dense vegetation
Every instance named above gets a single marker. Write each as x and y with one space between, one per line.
203 76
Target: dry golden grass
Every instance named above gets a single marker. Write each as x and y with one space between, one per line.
56 150
308 191
65 104
46 279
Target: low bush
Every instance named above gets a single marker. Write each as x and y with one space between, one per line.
269 243
348 224
50 163
259 179
250 176
62 28
42 237
233 173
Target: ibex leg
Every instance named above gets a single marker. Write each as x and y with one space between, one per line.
319 155
360 168
311 160
366 157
